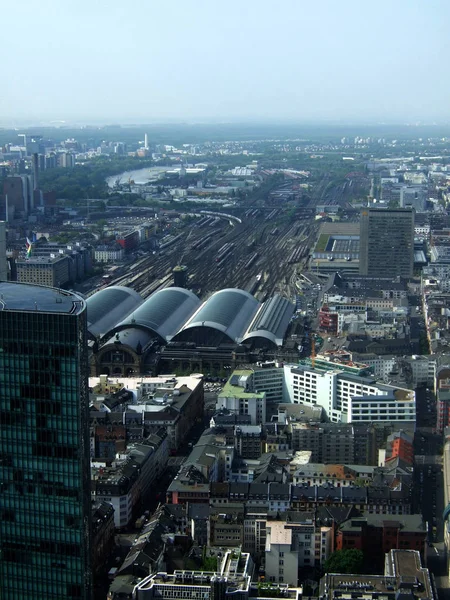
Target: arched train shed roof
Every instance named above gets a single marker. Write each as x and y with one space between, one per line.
271 321
132 337
228 311
164 312
108 306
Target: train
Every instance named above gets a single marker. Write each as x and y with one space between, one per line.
224 252
298 253
251 260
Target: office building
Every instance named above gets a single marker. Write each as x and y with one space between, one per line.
45 503
66 160
3 259
231 580
386 242
236 399
403 577
52 271
413 196
35 168
19 191
377 534
347 394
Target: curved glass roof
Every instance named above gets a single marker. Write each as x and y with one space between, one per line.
108 306
229 311
164 312
272 320
131 337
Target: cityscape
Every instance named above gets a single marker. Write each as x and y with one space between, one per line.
225 305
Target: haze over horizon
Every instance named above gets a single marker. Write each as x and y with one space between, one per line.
229 62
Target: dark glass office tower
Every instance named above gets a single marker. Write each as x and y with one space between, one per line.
386 247
44 445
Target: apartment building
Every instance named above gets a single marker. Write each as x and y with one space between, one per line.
293 544
129 480
376 535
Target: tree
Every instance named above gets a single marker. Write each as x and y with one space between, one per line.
345 561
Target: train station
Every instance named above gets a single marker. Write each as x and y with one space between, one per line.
172 330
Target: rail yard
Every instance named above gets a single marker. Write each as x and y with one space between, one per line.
225 258
260 251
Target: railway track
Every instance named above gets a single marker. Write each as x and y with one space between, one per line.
256 246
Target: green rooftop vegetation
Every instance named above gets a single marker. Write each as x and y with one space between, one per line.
322 242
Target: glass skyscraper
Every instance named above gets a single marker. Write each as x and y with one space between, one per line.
44 445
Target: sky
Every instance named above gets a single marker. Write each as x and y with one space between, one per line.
145 61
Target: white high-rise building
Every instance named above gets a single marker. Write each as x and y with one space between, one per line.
347 394
3 260
145 142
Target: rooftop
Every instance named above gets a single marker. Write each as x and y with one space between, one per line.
36 298
404 577
279 534
404 522
231 388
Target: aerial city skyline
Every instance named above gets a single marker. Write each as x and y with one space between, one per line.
224 301
261 323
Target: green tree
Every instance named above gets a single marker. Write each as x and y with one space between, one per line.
345 561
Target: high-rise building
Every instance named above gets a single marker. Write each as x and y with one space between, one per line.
3 259
20 194
386 242
66 160
45 504
35 165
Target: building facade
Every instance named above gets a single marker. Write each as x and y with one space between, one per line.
386 242
52 271
3 259
347 394
45 504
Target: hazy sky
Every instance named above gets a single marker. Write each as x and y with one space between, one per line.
206 60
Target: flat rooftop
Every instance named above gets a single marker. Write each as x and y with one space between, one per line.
404 574
279 534
36 298
231 389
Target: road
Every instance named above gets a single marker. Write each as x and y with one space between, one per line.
429 487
